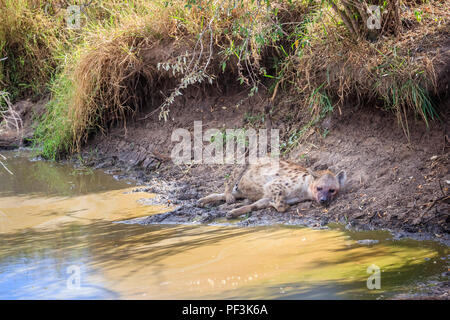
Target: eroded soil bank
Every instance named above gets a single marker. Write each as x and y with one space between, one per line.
392 184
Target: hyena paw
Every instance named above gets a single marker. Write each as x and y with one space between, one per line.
229 215
201 202
234 213
229 199
280 206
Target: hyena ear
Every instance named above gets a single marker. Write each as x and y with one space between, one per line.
315 175
341 176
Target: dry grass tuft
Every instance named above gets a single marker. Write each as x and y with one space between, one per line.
396 72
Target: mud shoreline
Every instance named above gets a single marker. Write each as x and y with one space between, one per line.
393 184
181 192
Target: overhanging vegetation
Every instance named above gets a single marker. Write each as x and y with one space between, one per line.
128 54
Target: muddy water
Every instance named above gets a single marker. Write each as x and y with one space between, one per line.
59 238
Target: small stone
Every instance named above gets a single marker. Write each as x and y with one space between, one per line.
367 241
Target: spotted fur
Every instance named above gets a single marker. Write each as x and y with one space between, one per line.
277 184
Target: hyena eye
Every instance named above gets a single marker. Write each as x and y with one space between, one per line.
319 189
332 191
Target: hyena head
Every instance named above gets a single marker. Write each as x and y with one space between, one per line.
326 185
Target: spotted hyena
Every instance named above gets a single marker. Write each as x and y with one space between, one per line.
279 185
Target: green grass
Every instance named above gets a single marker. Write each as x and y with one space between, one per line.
416 97
53 133
320 106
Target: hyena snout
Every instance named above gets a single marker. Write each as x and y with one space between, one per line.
325 200
324 194
326 187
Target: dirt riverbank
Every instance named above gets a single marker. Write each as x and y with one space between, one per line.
392 184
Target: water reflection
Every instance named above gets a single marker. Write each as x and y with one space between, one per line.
132 261
42 236
51 178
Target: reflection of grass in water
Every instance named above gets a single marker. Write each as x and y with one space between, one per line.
401 264
81 171
37 176
53 177
56 179
357 260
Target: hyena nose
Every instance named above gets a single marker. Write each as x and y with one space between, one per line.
323 200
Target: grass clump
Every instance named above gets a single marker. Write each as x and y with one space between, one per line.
53 130
393 71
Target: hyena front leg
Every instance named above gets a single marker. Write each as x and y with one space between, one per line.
276 192
278 202
229 197
260 204
215 197
231 184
